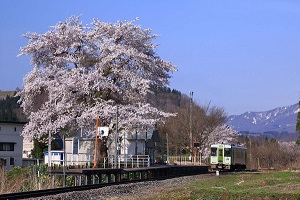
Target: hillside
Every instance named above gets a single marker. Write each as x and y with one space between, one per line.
282 119
4 94
10 108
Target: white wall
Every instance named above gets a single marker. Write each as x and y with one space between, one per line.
56 157
85 145
10 132
80 153
27 147
131 145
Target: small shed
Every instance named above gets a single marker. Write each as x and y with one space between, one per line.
56 157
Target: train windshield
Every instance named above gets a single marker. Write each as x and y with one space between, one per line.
227 152
213 151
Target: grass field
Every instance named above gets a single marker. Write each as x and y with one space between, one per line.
244 185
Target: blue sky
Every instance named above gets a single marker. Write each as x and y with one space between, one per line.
239 55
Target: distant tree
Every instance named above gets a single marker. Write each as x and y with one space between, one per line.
204 120
270 153
40 145
83 71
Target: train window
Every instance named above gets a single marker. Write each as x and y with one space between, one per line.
239 154
220 152
213 151
227 152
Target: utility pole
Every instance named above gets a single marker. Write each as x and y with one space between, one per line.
96 143
49 149
191 133
50 158
250 155
38 171
64 161
136 147
167 136
116 139
146 144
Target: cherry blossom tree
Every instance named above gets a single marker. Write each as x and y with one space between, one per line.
221 134
83 71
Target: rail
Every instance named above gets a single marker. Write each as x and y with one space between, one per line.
123 176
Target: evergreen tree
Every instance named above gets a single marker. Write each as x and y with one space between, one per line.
40 145
8 109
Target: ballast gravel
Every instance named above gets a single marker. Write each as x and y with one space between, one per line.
140 190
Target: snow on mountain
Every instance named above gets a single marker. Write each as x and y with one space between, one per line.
282 119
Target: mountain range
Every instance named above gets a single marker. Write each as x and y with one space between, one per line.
278 120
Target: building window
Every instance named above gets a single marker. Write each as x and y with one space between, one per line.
7 147
10 147
75 145
12 161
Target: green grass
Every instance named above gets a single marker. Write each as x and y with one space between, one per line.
16 171
267 185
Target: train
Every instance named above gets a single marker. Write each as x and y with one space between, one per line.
228 157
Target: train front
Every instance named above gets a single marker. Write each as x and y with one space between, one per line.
220 156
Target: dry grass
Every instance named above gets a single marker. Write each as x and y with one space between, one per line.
266 185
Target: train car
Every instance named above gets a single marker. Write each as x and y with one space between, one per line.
228 157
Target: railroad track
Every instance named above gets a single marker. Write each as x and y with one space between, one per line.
41 193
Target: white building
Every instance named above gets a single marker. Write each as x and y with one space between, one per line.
11 144
57 157
27 147
80 149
